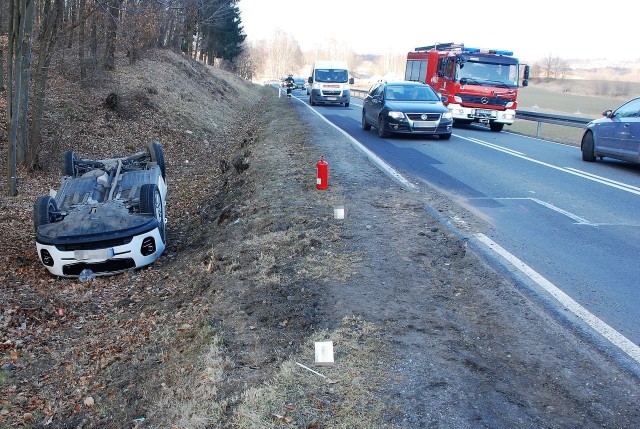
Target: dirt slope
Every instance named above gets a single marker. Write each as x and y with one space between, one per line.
426 334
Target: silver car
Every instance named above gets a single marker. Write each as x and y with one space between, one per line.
616 135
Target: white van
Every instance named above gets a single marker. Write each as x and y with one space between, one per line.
329 83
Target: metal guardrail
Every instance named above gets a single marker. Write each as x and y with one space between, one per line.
540 118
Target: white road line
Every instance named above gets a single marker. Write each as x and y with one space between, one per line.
595 323
372 156
575 217
618 185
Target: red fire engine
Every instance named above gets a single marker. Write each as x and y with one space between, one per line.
480 85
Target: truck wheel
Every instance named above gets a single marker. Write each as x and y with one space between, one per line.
587 147
495 126
44 210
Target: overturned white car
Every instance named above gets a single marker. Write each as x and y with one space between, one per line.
107 217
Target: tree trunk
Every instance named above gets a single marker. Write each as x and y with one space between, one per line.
25 70
112 33
46 43
93 43
81 41
12 124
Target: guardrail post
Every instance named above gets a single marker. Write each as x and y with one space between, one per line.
538 129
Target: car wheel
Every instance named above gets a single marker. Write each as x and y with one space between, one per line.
312 101
587 147
495 126
346 104
444 136
44 210
382 131
69 163
157 155
365 124
151 203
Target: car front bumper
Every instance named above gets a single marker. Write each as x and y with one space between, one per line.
142 249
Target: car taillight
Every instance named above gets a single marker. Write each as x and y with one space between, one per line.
46 258
148 246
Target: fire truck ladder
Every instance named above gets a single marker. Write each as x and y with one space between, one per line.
441 47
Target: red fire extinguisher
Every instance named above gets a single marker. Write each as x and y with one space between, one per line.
322 176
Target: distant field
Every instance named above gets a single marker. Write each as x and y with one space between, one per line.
563 98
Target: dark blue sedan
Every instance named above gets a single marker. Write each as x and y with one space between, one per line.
406 107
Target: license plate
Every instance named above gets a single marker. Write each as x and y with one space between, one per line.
83 255
332 98
424 124
485 113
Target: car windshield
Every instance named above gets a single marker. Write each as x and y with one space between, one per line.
478 73
332 75
411 93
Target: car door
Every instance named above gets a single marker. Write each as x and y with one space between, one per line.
612 134
371 103
630 137
375 104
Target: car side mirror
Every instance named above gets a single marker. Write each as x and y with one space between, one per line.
444 99
351 81
607 113
309 79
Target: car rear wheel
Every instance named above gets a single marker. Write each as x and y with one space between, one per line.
157 155
69 163
587 147
382 131
365 124
151 203
44 210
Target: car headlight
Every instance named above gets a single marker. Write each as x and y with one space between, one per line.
396 115
457 99
447 115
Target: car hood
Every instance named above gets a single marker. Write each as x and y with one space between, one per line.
106 221
417 106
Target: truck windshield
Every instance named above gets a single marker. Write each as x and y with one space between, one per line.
478 73
332 75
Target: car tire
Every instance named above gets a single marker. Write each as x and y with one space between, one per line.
44 210
157 155
69 163
444 136
346 104
151 203
587 147
365 124
496 126
312 101
382 131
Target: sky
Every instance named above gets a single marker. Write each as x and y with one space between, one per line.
533 30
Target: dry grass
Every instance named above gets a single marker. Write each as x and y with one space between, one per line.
346 398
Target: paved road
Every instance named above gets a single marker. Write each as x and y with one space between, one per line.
575 224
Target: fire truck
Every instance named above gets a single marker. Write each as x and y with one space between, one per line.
480 85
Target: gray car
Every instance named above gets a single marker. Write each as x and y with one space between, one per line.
615 135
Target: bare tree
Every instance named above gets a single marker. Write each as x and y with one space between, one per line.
51 19
20 26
